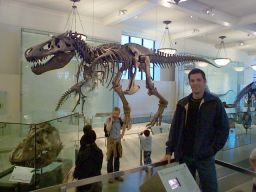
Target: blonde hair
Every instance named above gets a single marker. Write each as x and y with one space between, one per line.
116 109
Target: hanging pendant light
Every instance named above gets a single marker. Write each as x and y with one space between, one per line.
202 64
222 61
74 19
166 50
188 67
239 68
253 67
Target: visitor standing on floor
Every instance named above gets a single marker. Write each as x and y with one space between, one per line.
89 162
146 146
116 130
199 130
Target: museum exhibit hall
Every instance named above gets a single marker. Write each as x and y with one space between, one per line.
127 96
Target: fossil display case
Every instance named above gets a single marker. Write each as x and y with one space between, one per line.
46 148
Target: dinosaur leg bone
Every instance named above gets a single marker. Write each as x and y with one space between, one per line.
127 110
152 90
132 87
79 70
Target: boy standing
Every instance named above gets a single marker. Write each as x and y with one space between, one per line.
114 125
146 146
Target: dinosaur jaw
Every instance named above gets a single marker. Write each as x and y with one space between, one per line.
56 61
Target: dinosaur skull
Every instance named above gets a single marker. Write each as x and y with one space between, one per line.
39 148
52 54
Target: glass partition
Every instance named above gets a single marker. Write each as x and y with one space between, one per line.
67 132
46 149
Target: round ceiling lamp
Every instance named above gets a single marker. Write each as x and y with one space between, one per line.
222 61
202 64
169 49
253 67
239 68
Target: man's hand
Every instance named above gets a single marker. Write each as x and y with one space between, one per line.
110 119
167 157
109 123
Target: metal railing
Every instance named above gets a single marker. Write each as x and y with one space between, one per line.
147 168
64 187
236 168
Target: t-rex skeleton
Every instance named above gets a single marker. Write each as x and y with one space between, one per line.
109 59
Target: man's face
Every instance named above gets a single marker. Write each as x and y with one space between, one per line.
197 83
115 114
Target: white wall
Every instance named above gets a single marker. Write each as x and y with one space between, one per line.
9 71
10 49
10 83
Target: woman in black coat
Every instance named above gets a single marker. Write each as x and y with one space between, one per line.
89 162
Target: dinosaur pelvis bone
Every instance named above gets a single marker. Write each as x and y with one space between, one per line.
39 148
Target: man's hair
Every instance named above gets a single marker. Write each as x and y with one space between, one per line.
196 71
116 109
87 128
146 132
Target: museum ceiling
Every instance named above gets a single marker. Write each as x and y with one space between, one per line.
202 20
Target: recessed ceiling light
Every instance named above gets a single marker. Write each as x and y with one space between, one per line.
176 1
191 16
122 11
210 12
241 43
227 24
195 30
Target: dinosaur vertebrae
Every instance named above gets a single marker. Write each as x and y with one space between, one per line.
166 60
40 147
83 49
